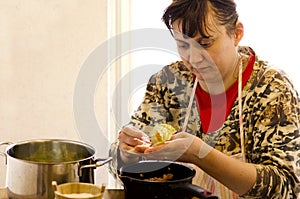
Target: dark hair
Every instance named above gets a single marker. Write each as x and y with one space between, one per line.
193 15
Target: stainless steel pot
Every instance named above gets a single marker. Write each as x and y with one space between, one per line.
33 165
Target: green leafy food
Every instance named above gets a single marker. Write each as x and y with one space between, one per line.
161 133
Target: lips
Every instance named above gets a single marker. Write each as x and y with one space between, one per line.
202 69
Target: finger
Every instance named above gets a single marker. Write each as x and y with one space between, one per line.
155 148
141 148
134 132
130 154
128 140
129 150
125 147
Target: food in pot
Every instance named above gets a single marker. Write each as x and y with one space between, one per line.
161 133
52 154
165 178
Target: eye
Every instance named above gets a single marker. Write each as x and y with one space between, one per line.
182 45
206 42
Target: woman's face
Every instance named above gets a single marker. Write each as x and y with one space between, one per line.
212 59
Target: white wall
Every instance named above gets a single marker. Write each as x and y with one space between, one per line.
271 29
43 45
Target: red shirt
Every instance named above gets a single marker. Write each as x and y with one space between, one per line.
214 109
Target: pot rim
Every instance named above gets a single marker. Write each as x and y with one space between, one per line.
122 173
24 142
182 180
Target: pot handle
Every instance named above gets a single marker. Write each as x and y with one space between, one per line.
54 185
98 162
197 191
3 153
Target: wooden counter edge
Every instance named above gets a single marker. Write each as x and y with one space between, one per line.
3 194
108 194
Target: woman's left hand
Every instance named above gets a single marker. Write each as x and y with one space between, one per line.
180 147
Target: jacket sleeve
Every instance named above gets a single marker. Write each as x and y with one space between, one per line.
275 139
145 117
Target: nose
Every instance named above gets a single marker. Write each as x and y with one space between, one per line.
196 55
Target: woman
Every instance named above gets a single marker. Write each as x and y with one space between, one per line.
242 128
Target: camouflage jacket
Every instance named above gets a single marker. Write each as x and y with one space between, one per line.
270 120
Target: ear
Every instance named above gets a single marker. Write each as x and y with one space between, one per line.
239 33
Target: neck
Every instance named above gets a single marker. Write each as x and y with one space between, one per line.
218 87
212 88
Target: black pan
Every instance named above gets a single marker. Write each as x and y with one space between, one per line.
135 178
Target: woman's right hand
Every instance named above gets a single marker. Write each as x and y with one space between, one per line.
132 143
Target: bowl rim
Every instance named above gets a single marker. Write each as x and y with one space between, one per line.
77 183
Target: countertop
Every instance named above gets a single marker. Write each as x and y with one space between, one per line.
108 194
3 194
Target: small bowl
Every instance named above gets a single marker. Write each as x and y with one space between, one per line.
78 190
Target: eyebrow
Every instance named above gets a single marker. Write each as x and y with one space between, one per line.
179 40
197 40
204 37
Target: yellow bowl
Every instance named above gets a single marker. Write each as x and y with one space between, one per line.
78 190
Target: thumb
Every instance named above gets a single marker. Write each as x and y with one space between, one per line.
178 135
